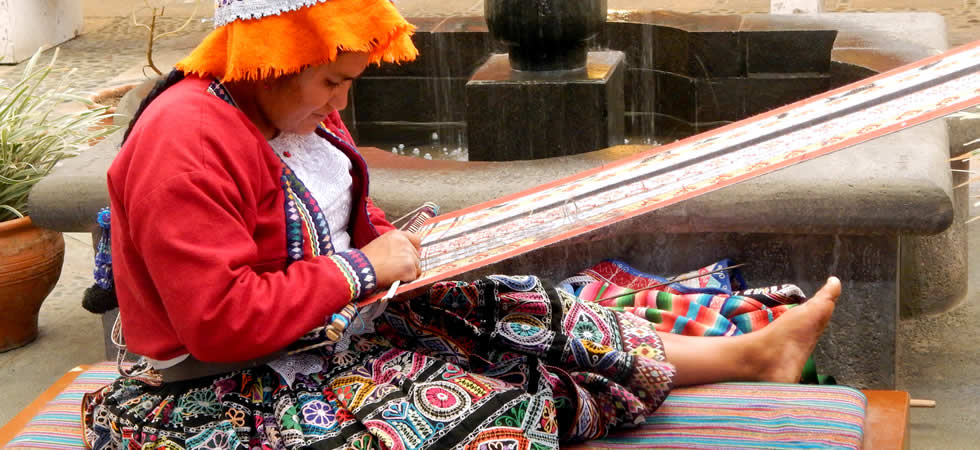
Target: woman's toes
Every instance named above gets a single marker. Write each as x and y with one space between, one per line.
830 291
793 336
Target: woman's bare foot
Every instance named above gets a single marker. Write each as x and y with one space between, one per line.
783 347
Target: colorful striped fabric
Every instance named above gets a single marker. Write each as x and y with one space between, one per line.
706 307
727 415
688 314
58 425
749 415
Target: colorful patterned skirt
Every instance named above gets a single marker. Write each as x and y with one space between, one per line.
495 364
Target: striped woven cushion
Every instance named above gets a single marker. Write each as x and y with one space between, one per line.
728 415
58 425
749 415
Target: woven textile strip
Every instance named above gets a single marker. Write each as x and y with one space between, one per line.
465 240
749 415
58 425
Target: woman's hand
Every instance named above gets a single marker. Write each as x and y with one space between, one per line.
395 256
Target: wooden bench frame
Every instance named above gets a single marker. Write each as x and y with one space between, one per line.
885 427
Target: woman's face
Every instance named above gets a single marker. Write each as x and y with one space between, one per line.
298 103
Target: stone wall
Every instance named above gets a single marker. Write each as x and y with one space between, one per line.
27 25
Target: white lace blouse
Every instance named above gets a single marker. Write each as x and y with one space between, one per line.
325 171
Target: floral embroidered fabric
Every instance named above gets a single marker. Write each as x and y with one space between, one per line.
491 364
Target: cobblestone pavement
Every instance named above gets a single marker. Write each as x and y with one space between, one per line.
110 46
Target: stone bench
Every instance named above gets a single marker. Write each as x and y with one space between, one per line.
853 213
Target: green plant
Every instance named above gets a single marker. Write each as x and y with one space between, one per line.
38 129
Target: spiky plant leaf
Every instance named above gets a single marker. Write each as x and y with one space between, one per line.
35 134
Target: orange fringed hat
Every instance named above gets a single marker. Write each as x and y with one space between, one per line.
259 39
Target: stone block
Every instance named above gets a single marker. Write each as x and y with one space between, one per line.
637 41
842 74
719 99
410 99
716 54
530 115
640 90
788 51
859 345
935 269
676 96
688 22
763 92
70 197
672 48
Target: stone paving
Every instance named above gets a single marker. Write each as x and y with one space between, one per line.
940 358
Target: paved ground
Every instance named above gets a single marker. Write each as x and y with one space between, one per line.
940 361
940 353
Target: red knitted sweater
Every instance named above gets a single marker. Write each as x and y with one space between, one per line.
199 235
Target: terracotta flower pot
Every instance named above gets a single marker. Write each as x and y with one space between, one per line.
30 264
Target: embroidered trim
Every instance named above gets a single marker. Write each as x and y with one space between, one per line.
103 254
227 11
358 270
218 90
336 136
302 211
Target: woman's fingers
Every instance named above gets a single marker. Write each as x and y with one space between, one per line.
415 239
395 256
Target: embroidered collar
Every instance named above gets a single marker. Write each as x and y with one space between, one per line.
303 213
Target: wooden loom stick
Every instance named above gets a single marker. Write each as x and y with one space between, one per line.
669 282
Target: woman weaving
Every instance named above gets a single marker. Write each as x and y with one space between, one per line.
240 222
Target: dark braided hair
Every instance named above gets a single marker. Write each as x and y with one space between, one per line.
171 79
101 299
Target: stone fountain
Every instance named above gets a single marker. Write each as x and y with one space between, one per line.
535 101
